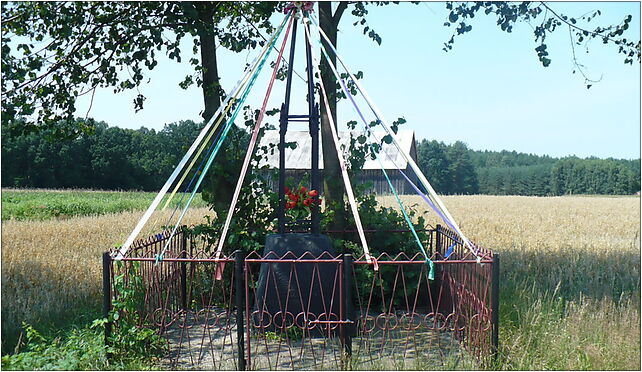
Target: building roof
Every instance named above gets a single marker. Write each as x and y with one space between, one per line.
300 158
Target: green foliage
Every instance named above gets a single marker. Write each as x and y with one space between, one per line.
383 220
53 53
432 160
111 158
255 209
449 168
79 349
44 205
454 169
131 337
82 347
593 176
545 20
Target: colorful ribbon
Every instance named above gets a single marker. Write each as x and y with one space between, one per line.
389 131
344 172
250 149
226 130
143 220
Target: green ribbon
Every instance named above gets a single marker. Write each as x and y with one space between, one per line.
431 265
228 125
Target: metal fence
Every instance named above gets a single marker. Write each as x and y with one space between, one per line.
306 312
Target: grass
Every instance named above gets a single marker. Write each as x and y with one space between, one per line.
570 277
51 270
23 205
570 271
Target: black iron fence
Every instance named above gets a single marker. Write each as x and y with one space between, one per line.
311 312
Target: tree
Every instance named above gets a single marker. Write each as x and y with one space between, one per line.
432 160
55 52
88 45
508 14
464 177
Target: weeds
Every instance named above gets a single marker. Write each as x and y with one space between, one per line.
51 270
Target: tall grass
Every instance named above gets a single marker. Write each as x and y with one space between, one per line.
570 273
570 276
42 205
51 270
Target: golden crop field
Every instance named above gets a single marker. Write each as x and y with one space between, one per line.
570 272
50 267
570 276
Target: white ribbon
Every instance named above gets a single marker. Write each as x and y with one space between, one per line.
395 140
344 171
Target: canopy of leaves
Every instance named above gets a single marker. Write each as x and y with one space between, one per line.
544 20
55 52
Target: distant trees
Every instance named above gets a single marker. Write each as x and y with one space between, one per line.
432 160
594 176
449 168
142 159
455 169
111 158
516 180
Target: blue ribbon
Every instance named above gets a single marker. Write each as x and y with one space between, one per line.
450 250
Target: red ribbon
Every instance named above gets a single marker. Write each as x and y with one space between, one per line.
301 5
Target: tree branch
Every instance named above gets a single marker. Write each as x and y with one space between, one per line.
343 5
574 26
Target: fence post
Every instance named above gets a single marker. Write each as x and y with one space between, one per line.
184 270
347 297
495 304
438 239
107 295
239 262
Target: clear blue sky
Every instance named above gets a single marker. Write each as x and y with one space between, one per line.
490 91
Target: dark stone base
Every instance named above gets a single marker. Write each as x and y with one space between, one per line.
301 291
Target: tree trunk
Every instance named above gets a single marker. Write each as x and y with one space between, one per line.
211 85
332 182
222 177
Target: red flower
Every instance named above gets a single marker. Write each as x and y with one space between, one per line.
313 193
307 202
290 205
294 198
287 190
303 190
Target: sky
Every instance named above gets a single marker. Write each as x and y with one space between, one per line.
490 91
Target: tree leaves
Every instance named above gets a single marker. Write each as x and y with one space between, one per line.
509 14
542 53
75 47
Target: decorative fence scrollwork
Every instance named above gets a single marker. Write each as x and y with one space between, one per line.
314 312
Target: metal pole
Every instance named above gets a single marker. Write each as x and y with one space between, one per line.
240 306
347 283
107 295
314 134
283 128
495 304
184 270
438 239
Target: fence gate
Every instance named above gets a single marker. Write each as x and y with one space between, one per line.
306 312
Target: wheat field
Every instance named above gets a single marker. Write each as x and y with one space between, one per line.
570 272
52 267
570 276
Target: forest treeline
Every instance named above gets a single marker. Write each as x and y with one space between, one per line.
126 159
111 158
455 169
